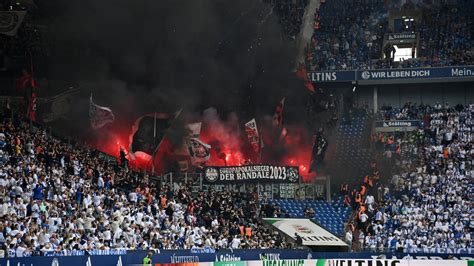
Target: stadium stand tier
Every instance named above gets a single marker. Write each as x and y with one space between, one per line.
350 34
424 202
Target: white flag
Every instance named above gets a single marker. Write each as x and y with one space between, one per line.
200 152
99 116
195 129
252 134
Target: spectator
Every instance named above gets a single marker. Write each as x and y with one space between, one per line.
357 43
290 14
428 207
59 197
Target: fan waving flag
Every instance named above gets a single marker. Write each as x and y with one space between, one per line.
99 116
252 134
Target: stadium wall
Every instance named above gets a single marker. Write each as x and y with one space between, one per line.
237 258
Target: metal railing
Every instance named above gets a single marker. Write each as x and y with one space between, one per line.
318 189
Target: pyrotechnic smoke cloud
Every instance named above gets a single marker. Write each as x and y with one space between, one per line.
142 56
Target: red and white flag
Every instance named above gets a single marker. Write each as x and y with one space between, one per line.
26 85
200 152
99 115
252 134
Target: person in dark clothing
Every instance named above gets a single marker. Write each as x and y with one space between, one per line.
299 240
123 158
387 50
169 211
319 150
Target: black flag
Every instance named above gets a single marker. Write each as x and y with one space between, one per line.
148 132
320 145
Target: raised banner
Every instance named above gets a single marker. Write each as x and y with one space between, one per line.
194 129
148 132
397 125
99 115
60 105
199 151
252 134
252 173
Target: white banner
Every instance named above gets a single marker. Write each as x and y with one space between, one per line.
311 233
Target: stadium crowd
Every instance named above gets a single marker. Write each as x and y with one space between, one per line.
290 14
56 197
426 203
445 36
348 45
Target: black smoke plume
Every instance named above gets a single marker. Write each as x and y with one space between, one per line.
143 56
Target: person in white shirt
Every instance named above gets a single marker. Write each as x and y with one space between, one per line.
21 250
349 237
235 244
369 199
